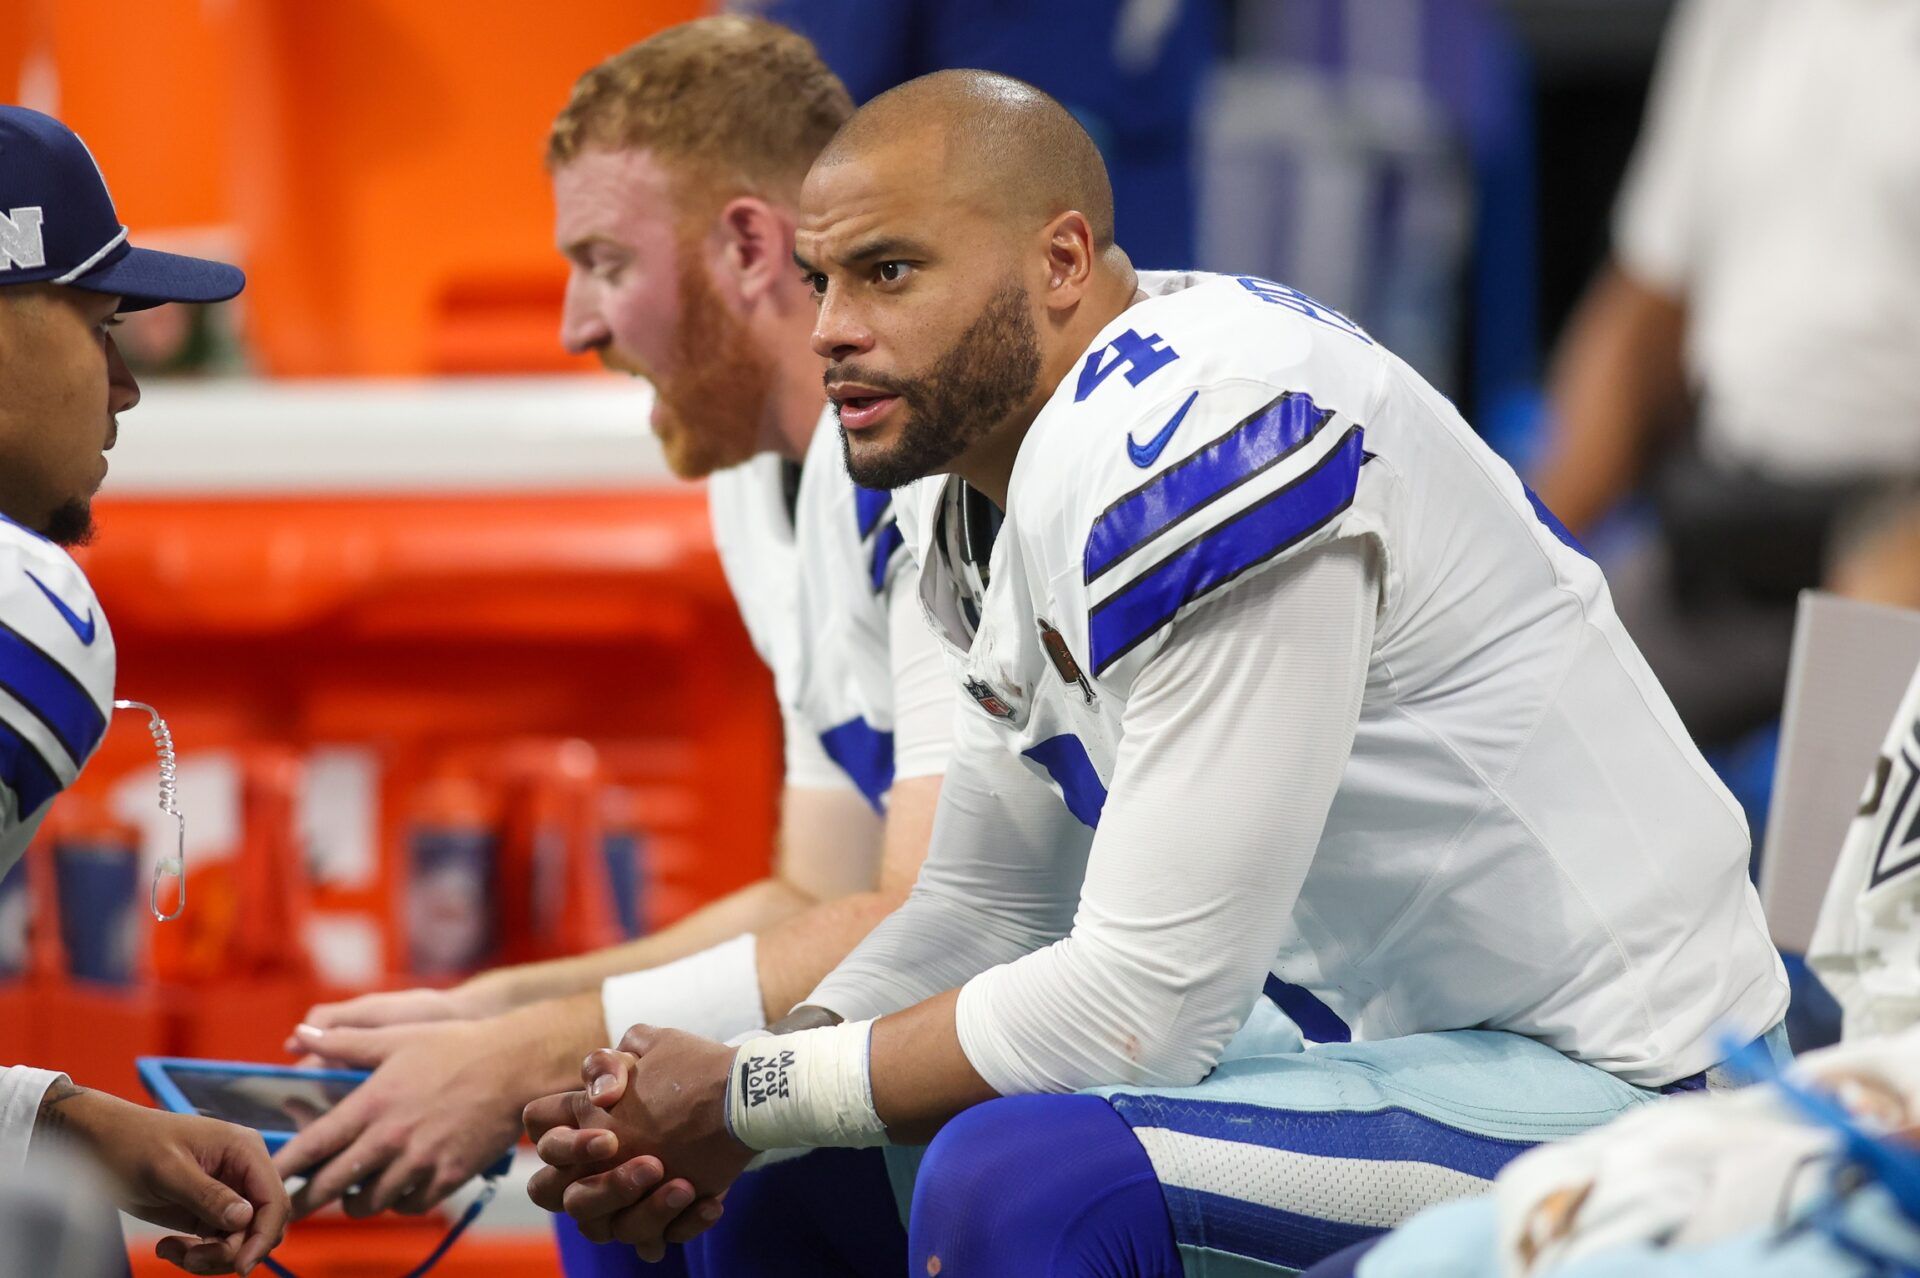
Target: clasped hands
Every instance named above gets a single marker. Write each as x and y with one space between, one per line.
641 1153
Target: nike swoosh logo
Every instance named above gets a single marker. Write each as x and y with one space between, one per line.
1144 455
85 629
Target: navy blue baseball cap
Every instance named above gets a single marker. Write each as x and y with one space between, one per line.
57 225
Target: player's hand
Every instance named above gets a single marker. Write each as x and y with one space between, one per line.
577 1140
633 1203
444 1102
396 1007
209 1180
662 1097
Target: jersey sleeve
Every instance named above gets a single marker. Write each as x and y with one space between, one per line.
923 687
56 674
1246 477
808 765
735 498
883 546
914 506
1002 878
850 553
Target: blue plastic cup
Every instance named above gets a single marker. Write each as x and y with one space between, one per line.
625 854
450 909
98 884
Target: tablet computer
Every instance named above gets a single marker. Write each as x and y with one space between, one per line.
275 1100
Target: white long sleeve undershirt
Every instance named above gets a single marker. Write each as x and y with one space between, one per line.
1002 877
21 1089
1136 960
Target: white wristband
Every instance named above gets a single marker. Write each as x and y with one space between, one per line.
715 994
805 1089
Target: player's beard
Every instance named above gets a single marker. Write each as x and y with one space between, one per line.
714 403
989 372
71 523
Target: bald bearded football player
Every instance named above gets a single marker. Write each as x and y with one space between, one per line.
1276 680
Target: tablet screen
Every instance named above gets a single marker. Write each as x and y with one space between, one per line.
265 1102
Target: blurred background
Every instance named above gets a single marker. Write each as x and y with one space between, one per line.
447 652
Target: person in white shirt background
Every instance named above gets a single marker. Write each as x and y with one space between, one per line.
66 271
1749 352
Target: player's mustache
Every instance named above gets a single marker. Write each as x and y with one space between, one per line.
878 381
614 361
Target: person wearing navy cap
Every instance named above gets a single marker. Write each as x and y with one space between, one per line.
66 270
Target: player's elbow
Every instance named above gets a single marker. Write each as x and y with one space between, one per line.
1181 1067
1178 1012
1148 1043
889 897
1183 1051
864 911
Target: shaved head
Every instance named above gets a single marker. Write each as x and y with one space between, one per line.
1005 145
958 236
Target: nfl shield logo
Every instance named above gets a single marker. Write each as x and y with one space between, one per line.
989 699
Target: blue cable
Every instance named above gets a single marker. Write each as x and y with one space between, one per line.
1894 1166
471 1214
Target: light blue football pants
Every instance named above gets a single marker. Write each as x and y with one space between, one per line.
1289 1152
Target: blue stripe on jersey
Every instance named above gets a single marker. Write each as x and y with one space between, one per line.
1285 1239
25 771
1552 521
1258 442
885 546
54 696
1316 1020
1388 1134
1066 761
1123 621
868 505
865 754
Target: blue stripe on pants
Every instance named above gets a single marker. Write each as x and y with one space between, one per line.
1247 1159
1241 1228
1384 1135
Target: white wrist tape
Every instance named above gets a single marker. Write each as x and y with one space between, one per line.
715 994
805 1089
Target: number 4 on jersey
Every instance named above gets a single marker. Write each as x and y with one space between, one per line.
1142 357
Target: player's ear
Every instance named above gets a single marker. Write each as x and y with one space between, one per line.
1071 258
758 246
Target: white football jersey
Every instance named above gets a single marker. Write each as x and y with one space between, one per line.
56 680
1524 836
813 571
1866 947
